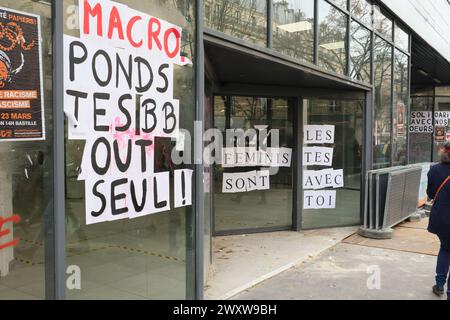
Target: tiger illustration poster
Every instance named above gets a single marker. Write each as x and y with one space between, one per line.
21 87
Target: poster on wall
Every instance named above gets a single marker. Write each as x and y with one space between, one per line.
118 91
439 136
21 84
401 119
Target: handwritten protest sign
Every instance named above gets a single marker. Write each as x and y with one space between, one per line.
119 99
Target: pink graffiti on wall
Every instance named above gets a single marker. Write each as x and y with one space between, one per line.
15 219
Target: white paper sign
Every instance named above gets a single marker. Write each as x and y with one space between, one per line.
245 181
421 122
321 156
118 98
183 195
318 134
320 179
323 199
252 157
441 118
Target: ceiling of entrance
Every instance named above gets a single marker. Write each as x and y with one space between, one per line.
242 65
427 66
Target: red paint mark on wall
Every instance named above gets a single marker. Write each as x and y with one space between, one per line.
15 219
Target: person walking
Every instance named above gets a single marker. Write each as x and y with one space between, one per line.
439 224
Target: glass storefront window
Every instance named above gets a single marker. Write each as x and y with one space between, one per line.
293 28
381 23
271 208
332 38
420 143
441 119
26 171
220 103
360 52
208 174
428 104
401 98
244 19
149 257
401 38
347 118
383 103
362 10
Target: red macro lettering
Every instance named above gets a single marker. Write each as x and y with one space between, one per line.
122 25
130 30
96 12
174 53
115 23
15 219
153 34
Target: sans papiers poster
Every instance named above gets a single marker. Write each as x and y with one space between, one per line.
21 94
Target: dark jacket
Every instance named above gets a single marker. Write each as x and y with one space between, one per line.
440 213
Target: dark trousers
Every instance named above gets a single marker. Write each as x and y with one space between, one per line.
443 264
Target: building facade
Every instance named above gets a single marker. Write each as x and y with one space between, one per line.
105 108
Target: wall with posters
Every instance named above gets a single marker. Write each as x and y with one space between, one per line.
21 77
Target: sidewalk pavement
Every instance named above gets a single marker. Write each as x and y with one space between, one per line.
358 268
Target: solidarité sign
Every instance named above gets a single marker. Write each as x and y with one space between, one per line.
21 92
119 82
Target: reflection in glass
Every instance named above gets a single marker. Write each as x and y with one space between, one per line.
332 38
26 177
381 23
347 118
208 171
422 91
382 121
341 3
443 91
220 103
293 28
401 38
148 257
244 19
360 49
362 10
401 97
259 208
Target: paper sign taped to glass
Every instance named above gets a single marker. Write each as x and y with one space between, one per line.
252 157
118 92
317 184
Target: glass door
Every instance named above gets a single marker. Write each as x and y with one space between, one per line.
332 160
239 205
